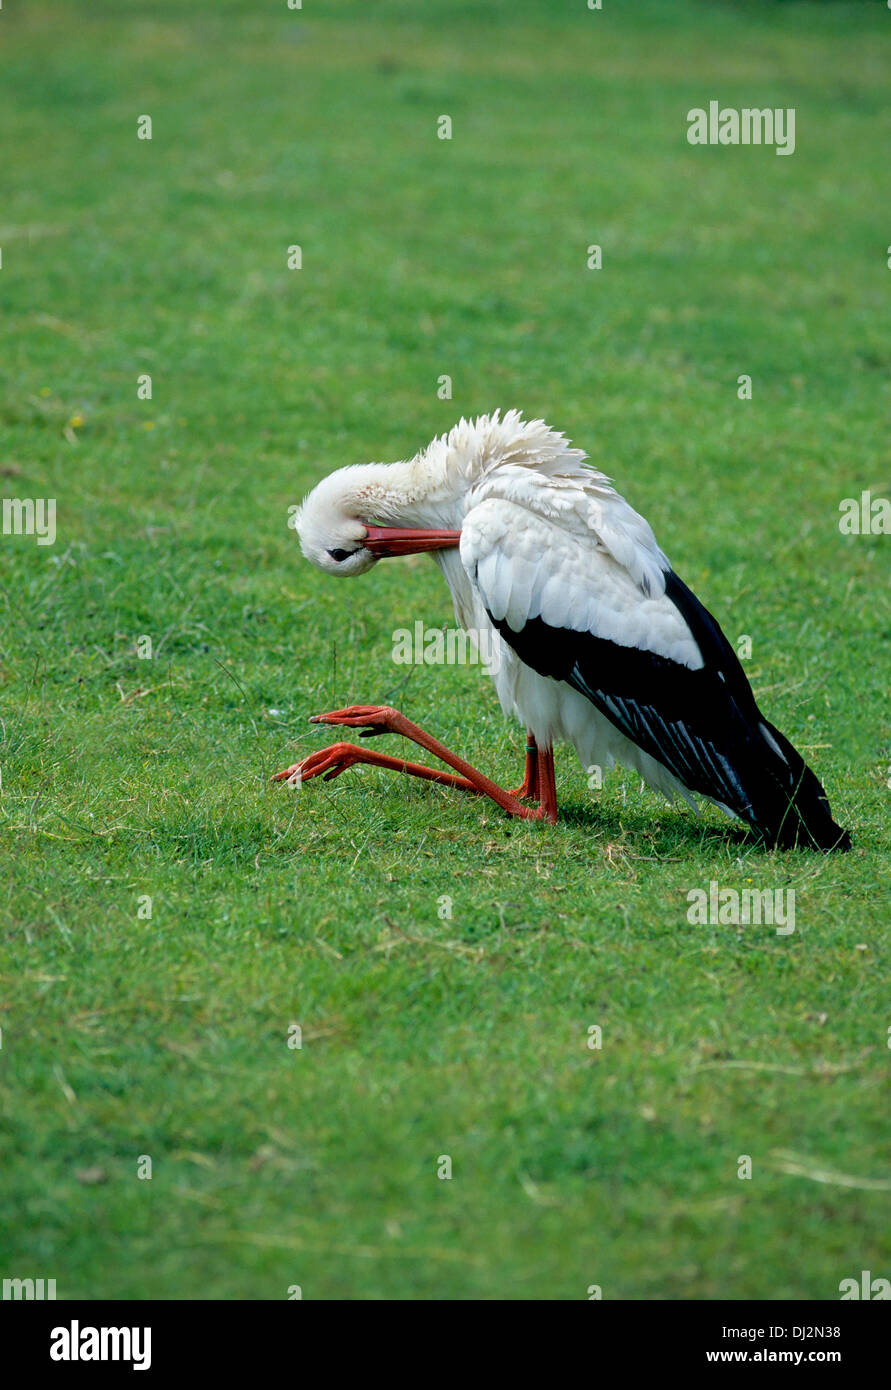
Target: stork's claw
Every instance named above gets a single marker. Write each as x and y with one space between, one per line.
371 719
327 762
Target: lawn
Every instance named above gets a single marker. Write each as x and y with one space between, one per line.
136 785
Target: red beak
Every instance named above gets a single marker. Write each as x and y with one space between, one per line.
384 541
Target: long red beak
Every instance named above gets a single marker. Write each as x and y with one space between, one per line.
384 541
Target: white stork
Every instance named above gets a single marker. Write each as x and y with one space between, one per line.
597 641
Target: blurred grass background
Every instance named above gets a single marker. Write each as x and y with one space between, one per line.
123 778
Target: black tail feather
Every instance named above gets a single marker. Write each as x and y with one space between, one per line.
787 803
790 805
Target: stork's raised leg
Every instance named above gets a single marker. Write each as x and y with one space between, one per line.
381 719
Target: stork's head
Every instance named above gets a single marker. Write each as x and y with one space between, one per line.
336 525
330 529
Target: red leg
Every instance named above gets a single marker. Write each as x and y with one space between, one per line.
381 719
529 787
547 785
331 762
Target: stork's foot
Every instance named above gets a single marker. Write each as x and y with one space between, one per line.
371 719
292 774
326 762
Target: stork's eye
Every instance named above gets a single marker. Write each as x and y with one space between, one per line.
339 555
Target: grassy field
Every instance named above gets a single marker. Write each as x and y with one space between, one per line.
125 1037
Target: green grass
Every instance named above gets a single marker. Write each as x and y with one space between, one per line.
122 777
